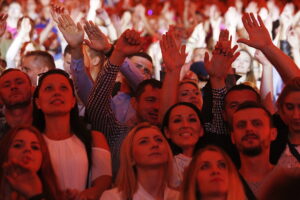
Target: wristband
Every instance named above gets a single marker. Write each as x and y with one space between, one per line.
37 197
108 54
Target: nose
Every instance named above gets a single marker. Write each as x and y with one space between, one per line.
215 171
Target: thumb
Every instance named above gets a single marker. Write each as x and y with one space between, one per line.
87 42
79 26
244 41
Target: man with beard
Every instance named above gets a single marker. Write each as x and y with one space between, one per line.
15 94
252 132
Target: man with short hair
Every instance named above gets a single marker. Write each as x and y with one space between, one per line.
252 132
15 94
35 63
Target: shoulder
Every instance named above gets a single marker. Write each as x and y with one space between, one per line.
112 194
99 140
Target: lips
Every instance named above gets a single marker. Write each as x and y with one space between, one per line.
26 159
250 137
218 179
155 154
56 101
153 115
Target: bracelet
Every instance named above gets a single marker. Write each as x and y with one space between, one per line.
108 54
37 197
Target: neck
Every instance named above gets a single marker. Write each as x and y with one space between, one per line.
19 116
188 151
254 169
58 127
294 138
153 180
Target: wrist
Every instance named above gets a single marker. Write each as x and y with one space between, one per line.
117 57
108 51
217 82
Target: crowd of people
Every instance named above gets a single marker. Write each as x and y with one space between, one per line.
147 100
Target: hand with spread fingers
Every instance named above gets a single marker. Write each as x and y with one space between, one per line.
22 179
3 18
259 36
73 33
173 56
97 40
56 11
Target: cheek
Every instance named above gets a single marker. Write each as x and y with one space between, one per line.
201 181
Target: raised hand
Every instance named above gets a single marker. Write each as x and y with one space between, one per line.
56 11
22 179
97 40
173 56
3 18
73 33
129 42
259 36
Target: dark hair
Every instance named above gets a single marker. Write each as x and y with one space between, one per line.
19 23
143 55
241 87
77 126
45 173
165 124
141 87
249 105
67 50
14 70
291 86
43 56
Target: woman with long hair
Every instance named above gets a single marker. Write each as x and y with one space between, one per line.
26 169
182 126
146 166
212 175
73 149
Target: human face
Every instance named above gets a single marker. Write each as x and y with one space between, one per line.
184 127
252 133
26 148
290 112
33 67
234 99
67 63
149 148
212 176
15 90
242 63
144 65
55 95
14 10
189 93
148 105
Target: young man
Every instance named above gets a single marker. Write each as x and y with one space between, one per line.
252 132
15 94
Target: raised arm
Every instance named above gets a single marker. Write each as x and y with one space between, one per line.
173 58
3 18
259 38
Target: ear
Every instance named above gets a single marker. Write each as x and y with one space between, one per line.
273 133
167 133
95 61
133 102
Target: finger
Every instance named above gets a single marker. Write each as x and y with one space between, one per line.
234 57
182 50
254 22
261 23
234 48
244 41
79 26
246 21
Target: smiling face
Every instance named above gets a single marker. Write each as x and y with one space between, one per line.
55 95
25 148
184 127
150 149
252 133
212 176
191 94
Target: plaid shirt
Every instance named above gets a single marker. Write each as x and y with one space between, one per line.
100 114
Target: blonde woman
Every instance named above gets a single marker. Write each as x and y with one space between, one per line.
146 167
212 175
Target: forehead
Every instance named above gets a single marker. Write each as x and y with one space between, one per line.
15 74
249 114
292 97
55 78
210 155
182 110
26 135
240 96
146 132
151 91
187 86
